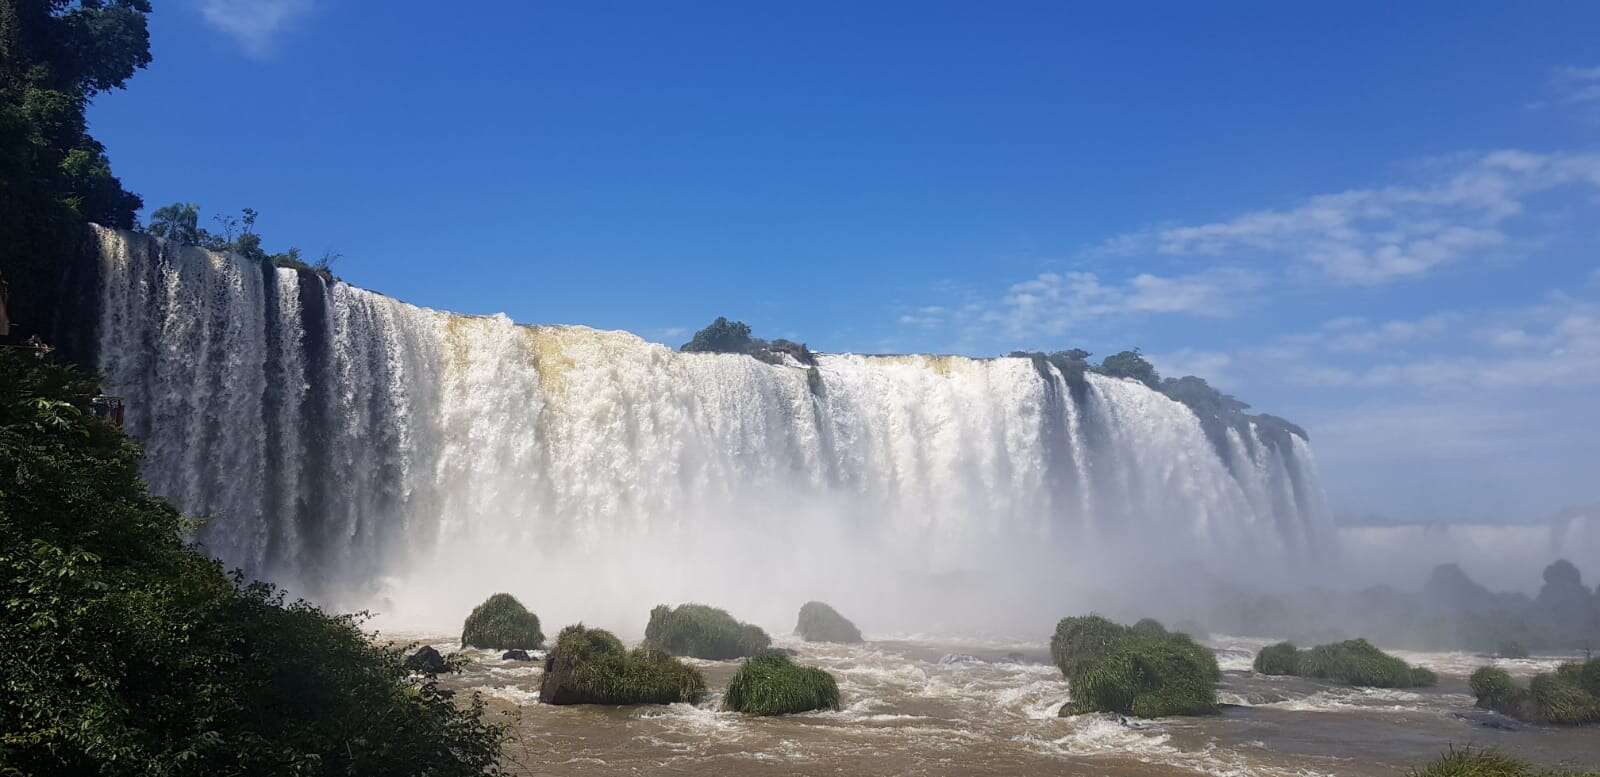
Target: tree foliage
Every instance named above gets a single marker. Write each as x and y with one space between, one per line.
132 654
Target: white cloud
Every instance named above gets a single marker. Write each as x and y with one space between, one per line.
1576 85
1377 236
1052 303
1211 365
254 24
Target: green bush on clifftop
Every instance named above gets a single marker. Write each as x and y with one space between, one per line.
1145 671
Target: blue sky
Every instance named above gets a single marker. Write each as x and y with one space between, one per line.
1377 221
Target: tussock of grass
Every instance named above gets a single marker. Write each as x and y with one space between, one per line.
1352 662
703 632
821 623
771 684
1144 670
502 623
590 666
1469 762
1280 659
1570 696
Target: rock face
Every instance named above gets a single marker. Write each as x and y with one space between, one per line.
820 623
428 661
502 623
771 684
1352 662
590 666
1145 671
703 632
516 655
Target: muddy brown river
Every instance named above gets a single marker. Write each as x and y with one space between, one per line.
929 706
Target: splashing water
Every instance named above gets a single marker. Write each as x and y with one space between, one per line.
369 452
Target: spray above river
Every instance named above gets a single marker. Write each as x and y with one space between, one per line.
369 452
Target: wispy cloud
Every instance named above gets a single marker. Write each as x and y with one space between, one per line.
1052 303
1382 235
254 24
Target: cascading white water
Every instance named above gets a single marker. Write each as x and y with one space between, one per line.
367 451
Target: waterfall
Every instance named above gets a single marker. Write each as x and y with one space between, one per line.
368 452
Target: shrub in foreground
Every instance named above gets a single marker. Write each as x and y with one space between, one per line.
1144 671
771 684
590 666
820 623
1352 662
1469 762
502 623
134 654
703 632
1569 696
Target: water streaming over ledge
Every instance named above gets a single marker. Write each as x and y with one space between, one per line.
367 451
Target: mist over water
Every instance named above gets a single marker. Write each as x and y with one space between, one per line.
367 452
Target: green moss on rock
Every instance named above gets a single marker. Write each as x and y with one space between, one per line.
1570 696
1352 662
820 623
703 632
1144 670
502 623
590 666
772 684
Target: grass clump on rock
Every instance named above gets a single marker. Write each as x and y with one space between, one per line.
703 632
821 623
772 684
502 623
1570 696
1352 662
1145 670
590 666
1468 762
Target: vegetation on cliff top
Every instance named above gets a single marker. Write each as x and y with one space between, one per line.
1144 671
772 684
703 632
590 666
1568 696
724 336
141 656
819 622
502 623
1352 662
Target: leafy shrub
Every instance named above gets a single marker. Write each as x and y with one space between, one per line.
771 684
1565 697
703 632
502 623
821 623
1468 762
1144 670
1352 662
1280 659
590 666
140 656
